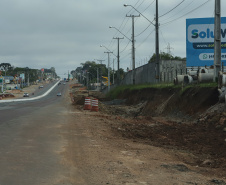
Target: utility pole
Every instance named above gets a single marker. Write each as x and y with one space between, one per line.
87 80
113 71
118 75
133 46
97 75
100 74
108 52
217 40
157 43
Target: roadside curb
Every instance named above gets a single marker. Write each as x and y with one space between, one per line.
30 99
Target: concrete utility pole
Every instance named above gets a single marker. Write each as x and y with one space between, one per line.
118 75
113 71
100 74
217 40
87 80
97 75
156 38
133 46
157 43
108 52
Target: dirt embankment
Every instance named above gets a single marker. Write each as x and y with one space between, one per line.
192 121
172 102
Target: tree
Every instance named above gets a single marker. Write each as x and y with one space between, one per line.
164 56
92 67
5 67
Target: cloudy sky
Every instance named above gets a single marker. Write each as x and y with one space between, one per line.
65 33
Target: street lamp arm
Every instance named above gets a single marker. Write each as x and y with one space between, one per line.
107 49
104 47
140 14
120 32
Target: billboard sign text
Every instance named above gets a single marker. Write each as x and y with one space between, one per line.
200 41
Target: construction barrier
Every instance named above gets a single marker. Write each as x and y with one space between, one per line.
72 98
87 104
94 105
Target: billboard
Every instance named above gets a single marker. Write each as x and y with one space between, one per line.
200 41
22 76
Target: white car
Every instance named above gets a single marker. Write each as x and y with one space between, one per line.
26 95
59 94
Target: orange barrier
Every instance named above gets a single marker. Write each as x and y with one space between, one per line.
82 88
72 98
94 105
87 105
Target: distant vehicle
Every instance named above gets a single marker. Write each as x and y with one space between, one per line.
59 94
26 95
41 86
59 83
64 83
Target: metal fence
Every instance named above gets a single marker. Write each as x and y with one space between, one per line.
169 69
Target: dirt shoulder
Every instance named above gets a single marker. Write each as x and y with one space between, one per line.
159 146
97 146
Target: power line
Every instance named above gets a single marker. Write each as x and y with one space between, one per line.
187 13
125 47
179 11
172 9
143 30
148 6
163 37
146 38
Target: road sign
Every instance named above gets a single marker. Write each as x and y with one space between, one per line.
200 41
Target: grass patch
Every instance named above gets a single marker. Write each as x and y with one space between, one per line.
120 89
200 85
113 94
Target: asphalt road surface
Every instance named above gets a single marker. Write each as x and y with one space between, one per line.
30 140
52 142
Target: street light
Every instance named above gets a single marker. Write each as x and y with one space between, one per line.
108 52
139 13
120 32
100 72
107 49
133 45
156 37
118 61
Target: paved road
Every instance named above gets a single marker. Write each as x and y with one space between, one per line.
31 140
51 142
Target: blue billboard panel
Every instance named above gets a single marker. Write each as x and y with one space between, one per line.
200 41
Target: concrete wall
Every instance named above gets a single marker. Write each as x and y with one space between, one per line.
169 69
143 74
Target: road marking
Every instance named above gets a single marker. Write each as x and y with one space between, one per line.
30 99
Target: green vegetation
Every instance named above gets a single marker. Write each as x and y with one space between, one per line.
113 94
6 69
201 85
91 68
120 89
165 56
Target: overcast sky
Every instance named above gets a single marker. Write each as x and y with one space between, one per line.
65 33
